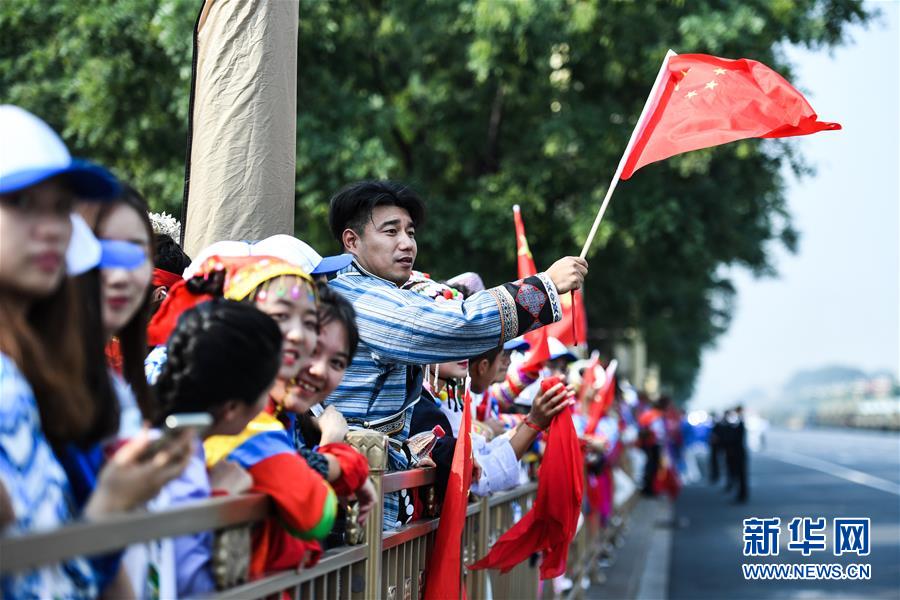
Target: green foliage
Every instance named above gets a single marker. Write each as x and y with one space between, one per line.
112 76
479 104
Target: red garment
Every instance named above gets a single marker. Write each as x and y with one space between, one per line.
164 278
114 355
667 481
705 101
274 550
445 564
550 525
354 467
298 509
648 416
178 300
599 491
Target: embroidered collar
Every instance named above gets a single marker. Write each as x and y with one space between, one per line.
354 268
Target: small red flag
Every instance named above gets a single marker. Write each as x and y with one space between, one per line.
589 378
703 101
603 400
445 565
540 352
571 330
523 252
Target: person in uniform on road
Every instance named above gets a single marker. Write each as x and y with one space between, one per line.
739 454
734 439
715 447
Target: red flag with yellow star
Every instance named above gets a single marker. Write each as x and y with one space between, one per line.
705 101
523 252
540 352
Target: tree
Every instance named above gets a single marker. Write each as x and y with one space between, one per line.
479 104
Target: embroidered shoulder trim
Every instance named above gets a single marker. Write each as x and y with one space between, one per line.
509 316
553 295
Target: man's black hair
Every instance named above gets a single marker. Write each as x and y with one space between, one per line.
169 256
351 208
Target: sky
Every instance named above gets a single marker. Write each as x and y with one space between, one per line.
836 301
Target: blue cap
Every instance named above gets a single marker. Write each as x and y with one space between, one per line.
517 344
332 264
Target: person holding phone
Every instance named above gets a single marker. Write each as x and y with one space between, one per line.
222 360
44 402
305 502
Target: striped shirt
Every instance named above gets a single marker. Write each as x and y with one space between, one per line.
401 330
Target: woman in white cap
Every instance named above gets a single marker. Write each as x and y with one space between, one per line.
43 400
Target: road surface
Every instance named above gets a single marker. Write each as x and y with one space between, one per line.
810 473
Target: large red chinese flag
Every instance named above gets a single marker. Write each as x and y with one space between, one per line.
551 523
704 101
540 352
445 565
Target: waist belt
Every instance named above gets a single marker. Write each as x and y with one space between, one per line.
390 425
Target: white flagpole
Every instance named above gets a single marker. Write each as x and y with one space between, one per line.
649 107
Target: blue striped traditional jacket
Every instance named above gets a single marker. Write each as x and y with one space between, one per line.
401 330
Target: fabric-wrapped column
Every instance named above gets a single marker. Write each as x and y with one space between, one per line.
239 181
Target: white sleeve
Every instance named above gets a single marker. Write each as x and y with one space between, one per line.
499 466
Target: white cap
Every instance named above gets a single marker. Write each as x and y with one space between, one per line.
558 349
84 251
285 247
297 252
31 152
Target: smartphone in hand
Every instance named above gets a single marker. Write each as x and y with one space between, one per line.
173 426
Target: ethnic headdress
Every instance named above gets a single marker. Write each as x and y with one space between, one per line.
243 275
234 278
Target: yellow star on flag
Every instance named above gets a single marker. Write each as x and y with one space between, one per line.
711 84
690 94
524 250
719 71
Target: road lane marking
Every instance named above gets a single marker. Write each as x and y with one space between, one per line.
817 464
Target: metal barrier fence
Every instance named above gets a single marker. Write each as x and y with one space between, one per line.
373 564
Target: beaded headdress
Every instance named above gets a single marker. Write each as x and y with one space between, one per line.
245 274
